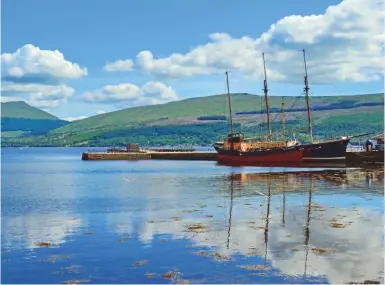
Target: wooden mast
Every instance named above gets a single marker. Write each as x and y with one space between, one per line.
231 115
307 99
266 99
283 121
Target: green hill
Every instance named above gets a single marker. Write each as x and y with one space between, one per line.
18 119
206 106
20 109
203 120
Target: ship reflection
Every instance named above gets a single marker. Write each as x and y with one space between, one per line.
296 180
272 181
235 177
285 164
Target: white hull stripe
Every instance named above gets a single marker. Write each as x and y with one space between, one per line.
324 158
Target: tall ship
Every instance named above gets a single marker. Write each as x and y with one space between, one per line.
237 149
321 151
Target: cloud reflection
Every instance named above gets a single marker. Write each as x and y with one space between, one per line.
296 226
25 231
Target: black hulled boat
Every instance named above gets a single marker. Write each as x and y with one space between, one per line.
328 150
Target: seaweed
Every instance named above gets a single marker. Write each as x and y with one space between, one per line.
196 227
337 225
253 267
150 275
140 262
171 275
322 250
43 244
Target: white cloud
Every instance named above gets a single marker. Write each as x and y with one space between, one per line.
29 64
5 99
99 112
343 44
70 119
128 94
119 65
37 95
38 76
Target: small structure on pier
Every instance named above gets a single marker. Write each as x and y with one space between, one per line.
379 139
131 147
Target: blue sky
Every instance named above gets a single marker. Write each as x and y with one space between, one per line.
343 47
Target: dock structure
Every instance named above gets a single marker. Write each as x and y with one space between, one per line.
115 156
364 157
352 158
208 156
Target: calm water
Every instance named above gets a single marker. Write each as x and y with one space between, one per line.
67 220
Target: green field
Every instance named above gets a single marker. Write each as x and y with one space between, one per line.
20 109
194 107
12 134
178 122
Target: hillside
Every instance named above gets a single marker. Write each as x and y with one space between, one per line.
210 105
21 110
202 121
19 119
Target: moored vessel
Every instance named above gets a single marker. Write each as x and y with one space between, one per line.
237 149
321 151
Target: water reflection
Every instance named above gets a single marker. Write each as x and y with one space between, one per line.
286 226
28 231
302 224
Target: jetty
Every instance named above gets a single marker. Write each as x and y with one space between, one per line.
353 158
178 155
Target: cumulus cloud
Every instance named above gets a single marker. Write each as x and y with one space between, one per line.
29 64
38 76
128 94
38 95
119 65
70 119
345 43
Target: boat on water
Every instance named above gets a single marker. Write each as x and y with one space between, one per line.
237 149
321 151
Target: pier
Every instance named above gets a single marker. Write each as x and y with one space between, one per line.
178 155
352 158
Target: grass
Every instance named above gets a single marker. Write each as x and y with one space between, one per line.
200 106
11 134
20 109
176 122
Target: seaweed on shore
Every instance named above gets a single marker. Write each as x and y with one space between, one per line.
140 262
253 267
43 244
171 275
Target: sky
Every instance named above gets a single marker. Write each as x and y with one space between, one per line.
77 59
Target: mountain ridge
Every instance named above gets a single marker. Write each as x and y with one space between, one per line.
22 110
202 120
201 106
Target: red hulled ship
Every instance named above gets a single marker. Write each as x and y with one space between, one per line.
237 149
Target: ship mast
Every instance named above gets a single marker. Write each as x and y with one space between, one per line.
283 121
231 115
266 99
307 99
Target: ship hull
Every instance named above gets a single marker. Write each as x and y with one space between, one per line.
326 151
269 157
